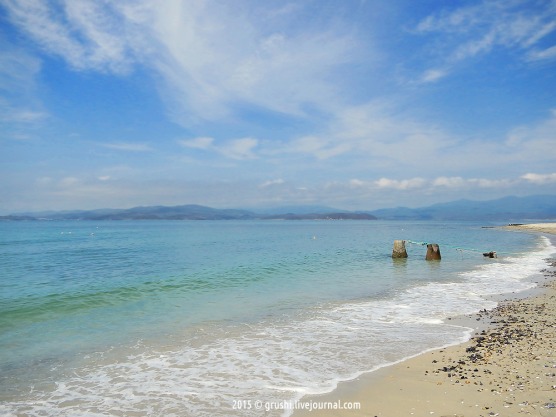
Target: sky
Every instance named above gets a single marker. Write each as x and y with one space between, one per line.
352 104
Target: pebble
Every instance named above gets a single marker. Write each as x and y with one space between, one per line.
523 333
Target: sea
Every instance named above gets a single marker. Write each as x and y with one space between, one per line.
221 318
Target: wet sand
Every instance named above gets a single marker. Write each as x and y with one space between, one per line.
508 368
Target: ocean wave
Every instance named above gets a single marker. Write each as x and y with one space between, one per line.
277 359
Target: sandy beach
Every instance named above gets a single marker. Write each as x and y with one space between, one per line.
535 227
507 368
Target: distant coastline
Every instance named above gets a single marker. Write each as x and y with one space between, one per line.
186 213
506 210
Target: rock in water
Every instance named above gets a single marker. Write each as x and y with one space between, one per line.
433 252
399 249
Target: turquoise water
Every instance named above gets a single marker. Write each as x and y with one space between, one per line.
183 318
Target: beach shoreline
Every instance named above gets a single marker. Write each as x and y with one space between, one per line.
534 227
507 368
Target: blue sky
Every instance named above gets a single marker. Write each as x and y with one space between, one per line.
247 103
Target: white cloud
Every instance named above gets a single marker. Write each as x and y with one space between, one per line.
316 146
44 181
18 70
198 143
240 149
9 113
540 178
87 34
215 61
543 54
210 61
356 183
479 28
67 182
270 183
210 56
433 75
489 183
400 184
128 146
450 182
442 182
18 74
534 142
459 182
377 136
95 191
379 139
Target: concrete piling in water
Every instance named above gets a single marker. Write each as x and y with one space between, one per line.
399 249
433 252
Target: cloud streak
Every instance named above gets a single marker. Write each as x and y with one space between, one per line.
18 105
207 62
87 34
128 146
306 100
360 194
239 149
483 27
540 178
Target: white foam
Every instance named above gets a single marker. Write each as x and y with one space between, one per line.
279 360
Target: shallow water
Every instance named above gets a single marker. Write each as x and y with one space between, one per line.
189 318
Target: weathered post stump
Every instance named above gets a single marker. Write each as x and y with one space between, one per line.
433 252
399 249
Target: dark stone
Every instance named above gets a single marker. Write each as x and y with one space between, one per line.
433 252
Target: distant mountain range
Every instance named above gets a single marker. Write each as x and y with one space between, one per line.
508 208
190 212
504 209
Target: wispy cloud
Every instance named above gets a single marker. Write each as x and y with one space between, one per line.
18 69
357 193
480 28
270 183
400 184
240 149
198 143
87 34
459 182
12 114
219 62
455 183
543 54
320 147
18 103
433 75
540 178
128 146
533 142
207 62
302 102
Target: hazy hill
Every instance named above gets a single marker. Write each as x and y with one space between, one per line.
186 212
191 212
322 216
507 208
298 210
